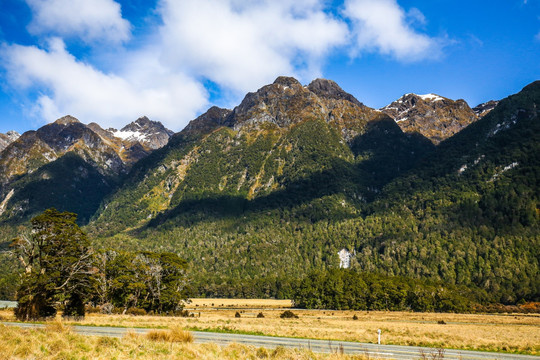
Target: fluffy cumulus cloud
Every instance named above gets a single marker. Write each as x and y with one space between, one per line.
244 44
240 45
81 90
96 20
383 26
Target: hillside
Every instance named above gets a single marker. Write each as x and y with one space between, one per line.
276 187
66 161
259 196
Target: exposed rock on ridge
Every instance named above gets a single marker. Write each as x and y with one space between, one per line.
431 115
286 103
484 108
8 138
151 134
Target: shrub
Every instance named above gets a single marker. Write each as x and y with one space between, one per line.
260 315
135 311
288 314
237 315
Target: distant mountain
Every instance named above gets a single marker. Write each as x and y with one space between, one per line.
8 138
484 108
102 158
151 134
431 115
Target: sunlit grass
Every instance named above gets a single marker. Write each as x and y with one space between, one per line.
519 333
59 342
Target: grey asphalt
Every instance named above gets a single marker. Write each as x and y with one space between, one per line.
7 304
322 346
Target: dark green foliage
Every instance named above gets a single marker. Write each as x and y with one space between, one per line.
288 314
151 281
9 279
57 263
74 307
342 289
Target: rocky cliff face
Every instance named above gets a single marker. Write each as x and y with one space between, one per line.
433 116
8 138
484 108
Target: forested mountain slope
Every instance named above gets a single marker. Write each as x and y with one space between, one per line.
275 188
258 196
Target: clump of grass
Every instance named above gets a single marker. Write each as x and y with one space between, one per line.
58 326
174 335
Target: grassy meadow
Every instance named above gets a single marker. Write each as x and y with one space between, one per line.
514 333
58 341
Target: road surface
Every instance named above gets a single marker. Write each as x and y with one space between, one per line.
322 346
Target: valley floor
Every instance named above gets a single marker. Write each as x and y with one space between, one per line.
513 333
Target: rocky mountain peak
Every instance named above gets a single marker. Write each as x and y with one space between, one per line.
287 81
66 120
12 134
431 115
210 120
151 134
286 103
8 138
281 103
330 89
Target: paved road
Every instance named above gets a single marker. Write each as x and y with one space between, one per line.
7 304
323 346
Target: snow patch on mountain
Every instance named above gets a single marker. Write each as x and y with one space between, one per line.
431 97
130 135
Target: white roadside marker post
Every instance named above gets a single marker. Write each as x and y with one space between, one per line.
379 336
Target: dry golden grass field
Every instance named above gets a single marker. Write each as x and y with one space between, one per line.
518 333
57 341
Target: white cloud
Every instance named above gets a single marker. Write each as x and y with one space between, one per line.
383 26
242 44
92 21
72 87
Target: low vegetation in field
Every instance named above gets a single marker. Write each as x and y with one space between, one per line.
514 333
59 342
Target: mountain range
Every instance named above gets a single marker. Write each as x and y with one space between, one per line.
258 196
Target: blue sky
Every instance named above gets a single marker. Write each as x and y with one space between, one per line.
111 61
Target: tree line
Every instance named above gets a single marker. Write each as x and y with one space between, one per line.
345 289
